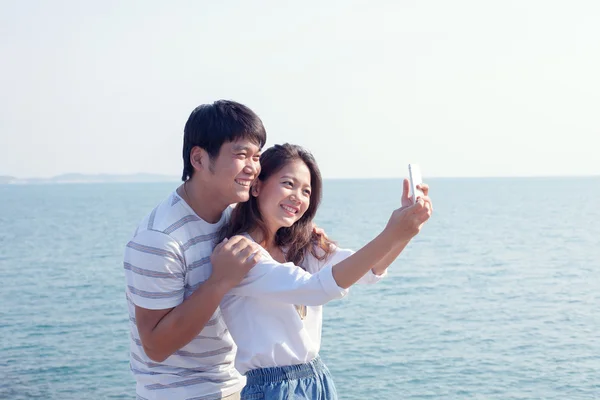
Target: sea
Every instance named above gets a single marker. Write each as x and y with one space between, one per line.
498 297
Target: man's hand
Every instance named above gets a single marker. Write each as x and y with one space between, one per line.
232 259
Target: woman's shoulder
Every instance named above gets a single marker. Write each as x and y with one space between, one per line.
264 252
319 252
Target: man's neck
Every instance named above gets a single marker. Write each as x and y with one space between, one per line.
200 200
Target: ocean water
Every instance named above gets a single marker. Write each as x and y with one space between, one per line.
497 298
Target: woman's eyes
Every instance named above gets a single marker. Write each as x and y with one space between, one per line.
291 185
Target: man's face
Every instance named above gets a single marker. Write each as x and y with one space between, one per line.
234 169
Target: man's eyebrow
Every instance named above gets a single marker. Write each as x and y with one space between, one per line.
239 147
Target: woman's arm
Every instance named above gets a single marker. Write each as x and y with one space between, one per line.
403 225
289 283
388 259
380 268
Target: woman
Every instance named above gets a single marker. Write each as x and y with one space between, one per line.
275 314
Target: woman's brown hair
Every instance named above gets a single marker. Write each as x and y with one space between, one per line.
299 238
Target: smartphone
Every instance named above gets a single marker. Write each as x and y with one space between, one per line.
414 175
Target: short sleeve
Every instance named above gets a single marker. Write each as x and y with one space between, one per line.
154 270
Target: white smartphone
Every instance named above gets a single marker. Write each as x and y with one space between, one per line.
414 175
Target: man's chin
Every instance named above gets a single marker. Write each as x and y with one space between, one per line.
241 197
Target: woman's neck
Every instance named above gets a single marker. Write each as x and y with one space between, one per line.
266 240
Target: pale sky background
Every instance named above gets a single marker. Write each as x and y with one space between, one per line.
464 88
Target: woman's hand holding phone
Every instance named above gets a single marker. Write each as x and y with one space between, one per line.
408 220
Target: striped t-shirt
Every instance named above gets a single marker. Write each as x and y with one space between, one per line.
165 261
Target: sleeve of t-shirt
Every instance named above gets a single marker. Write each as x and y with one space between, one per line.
340 255
154 271
288 283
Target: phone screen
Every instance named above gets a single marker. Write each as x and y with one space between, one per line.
414 173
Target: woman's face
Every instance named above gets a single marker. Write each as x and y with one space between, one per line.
285 196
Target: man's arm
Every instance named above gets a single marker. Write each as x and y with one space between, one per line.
164 331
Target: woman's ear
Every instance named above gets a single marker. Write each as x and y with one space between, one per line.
255 189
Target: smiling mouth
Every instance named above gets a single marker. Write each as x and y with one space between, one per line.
289 209
243 182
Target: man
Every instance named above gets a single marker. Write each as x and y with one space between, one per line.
180 347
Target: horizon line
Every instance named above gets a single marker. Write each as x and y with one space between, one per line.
176 178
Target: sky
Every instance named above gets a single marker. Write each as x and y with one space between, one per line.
463 88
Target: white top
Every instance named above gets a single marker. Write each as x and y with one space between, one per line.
165 261
263 320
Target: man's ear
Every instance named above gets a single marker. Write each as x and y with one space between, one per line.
255 189
199 158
